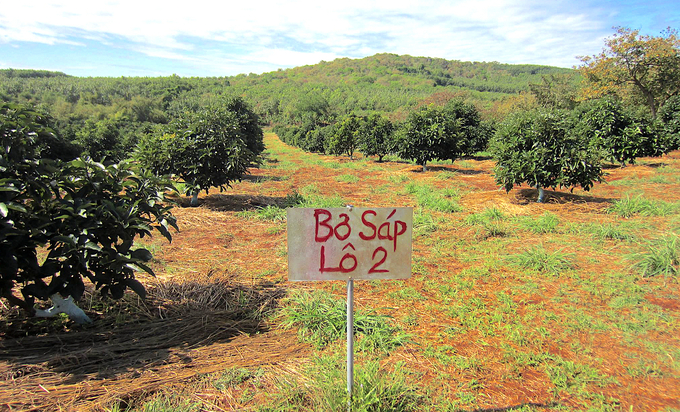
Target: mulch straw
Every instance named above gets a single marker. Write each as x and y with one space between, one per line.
197 328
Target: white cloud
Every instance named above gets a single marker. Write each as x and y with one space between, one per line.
283 34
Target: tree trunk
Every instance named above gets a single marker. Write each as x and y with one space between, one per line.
424 166
194 199
541 194
61 305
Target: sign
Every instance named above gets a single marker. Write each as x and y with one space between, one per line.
349 243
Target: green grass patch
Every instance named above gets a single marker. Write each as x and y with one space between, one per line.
539 259
546 223
347 178
376 389
660 257
489 223
321 320
630 206
430 198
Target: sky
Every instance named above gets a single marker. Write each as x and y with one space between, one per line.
225 38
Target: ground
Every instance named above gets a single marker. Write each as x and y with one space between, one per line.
513 305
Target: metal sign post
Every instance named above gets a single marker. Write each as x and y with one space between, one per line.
350 342
349 244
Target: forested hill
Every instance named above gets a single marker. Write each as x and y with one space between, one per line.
384 83
391 70
387 83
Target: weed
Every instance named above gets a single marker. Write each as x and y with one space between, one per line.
489 223
347 178
376 389
423 223
661 257
322 320
572 377
547 223
231 378
539 259
640 206
269 212
429 198
170 403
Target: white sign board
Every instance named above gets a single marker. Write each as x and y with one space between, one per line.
349 243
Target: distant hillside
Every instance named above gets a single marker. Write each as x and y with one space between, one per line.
29 73
390 83
406 71
386 83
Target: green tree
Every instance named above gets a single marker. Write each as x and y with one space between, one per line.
210 148
538 148
620 134
447 132
427 135
346 136
669 116
101 140
636 67
376 137
556 91
84 214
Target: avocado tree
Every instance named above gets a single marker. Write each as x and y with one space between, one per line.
346 136
376 138
84 214
209 148
537 147
621 135
440 133
669 118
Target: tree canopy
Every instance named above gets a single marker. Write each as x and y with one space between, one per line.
643 69
209 148
538 147
86 215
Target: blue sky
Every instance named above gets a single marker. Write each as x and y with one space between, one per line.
212 38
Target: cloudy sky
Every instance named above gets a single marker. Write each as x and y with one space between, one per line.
224 38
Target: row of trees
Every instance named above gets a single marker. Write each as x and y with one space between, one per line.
430 133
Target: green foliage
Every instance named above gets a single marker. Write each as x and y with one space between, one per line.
428 198
621 135
538 148
376 389
377 137
441 133
87 215
669 116
101 140
322 320
490 223
346 136
660 257
546 223
630 206
539 259
210 148
639 68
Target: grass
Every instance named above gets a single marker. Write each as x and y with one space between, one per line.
660 257
489 223
376 389
347 178
321 320
546 223
539 259
631 206
432 199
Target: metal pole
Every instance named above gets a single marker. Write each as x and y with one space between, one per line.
350 342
